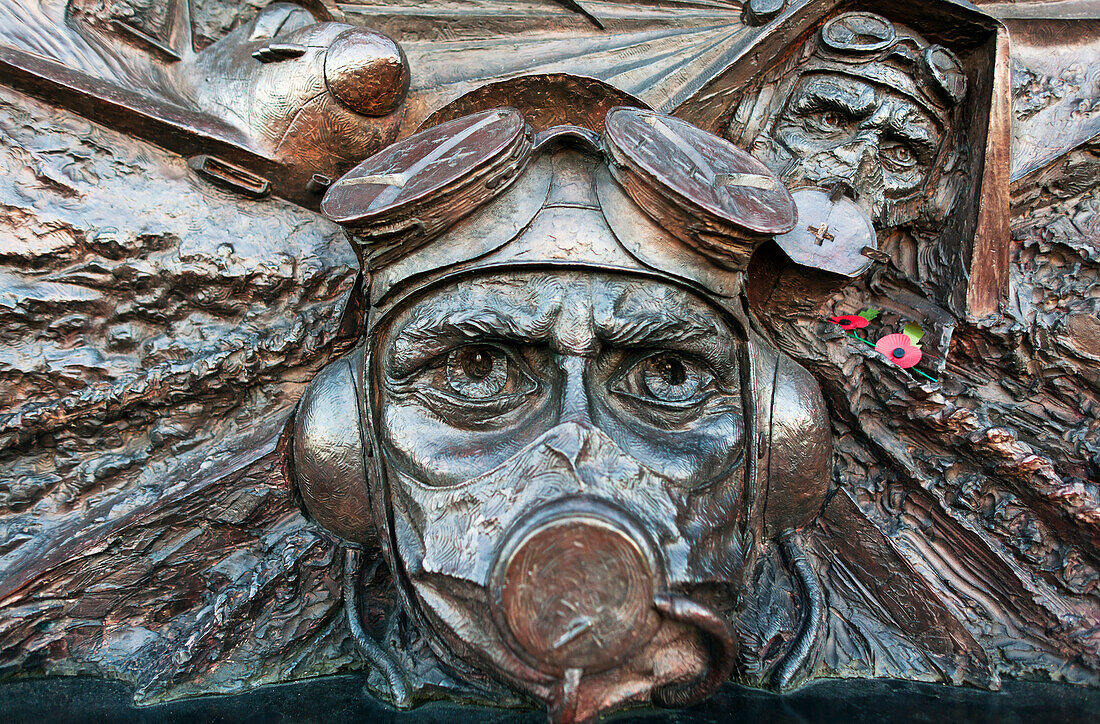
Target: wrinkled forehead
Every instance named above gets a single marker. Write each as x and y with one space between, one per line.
572 311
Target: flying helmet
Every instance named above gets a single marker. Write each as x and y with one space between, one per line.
646 195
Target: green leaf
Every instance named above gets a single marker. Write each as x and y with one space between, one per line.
869 314
914 332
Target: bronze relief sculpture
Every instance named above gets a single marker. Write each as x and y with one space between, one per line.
499 356
579 445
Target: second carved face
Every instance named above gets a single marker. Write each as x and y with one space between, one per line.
869 108
844 129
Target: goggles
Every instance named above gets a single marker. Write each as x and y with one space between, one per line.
865 39
698 188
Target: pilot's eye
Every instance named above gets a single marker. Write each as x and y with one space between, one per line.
666 377
898 156
475 384
827 121
831 119
478 371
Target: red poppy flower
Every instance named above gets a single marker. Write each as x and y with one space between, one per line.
899 349
850 321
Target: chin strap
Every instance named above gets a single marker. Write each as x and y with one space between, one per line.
791 668
379 659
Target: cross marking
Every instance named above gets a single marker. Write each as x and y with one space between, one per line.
821 234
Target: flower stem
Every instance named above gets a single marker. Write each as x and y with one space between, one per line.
861 339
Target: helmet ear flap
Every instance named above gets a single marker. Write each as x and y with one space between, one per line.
329 453
795 469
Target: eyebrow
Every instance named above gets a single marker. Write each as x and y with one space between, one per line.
439 330
670 326
914 133
656 322
833 95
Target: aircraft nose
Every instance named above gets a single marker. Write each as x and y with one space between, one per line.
367 71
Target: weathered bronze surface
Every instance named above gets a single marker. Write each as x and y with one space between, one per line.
577 355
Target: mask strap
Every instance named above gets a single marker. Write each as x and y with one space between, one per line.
379 659
719 639
792 666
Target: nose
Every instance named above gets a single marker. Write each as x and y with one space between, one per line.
575 403
863 169
860 151
367 71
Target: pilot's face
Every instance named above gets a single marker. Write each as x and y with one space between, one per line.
562 449
477 371
844 129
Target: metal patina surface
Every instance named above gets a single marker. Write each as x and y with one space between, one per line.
575 357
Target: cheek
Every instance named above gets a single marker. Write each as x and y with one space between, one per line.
795 137
418 443
707 450
716 520
805 142
816 160
904 182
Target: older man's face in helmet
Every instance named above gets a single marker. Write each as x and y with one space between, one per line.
844 129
